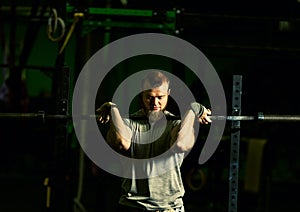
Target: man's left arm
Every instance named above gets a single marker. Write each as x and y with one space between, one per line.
184 135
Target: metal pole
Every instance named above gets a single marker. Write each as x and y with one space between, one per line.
235 143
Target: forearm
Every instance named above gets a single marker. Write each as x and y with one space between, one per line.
120 127
116 141
119 134
185 137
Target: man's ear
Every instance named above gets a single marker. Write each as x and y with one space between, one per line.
169 91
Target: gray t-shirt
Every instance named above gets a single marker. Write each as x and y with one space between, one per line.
149 141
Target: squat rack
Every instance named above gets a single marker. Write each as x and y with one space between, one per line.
235 118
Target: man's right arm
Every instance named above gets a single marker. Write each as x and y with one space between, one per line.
116 141
119 134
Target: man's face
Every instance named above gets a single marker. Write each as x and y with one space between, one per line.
155 99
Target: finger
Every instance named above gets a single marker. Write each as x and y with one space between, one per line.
200 120
204 120
208 119
103 119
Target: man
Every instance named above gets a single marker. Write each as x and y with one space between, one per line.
147 134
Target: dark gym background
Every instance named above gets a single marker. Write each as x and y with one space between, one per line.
41 165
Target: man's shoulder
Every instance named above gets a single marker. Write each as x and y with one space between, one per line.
171 116
138 114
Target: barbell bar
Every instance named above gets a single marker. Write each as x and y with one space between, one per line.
43 116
